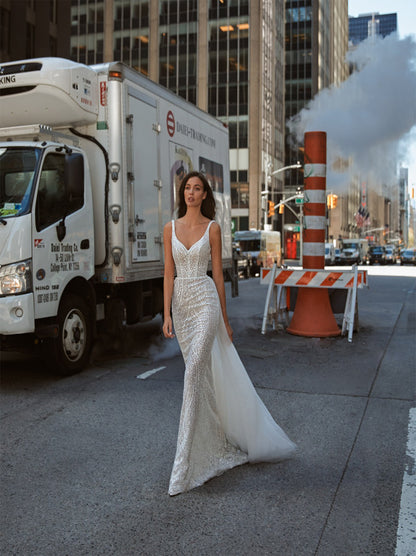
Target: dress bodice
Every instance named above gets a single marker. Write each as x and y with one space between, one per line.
192 262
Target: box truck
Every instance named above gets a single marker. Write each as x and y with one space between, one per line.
353 251
91 159
261 248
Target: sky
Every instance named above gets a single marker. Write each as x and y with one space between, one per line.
406 23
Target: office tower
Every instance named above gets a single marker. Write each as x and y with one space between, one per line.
366 25
316 43
31 28
226 56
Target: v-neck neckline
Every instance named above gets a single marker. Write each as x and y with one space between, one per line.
200 239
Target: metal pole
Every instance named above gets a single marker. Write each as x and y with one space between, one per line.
301 235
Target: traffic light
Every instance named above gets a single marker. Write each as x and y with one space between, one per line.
331 201
281 209
271 209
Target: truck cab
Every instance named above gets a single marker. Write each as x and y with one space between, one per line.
46 246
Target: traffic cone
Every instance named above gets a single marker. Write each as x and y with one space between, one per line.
313 314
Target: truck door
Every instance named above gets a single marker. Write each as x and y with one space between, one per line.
58 256
143 162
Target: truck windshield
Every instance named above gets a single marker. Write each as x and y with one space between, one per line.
249 245
17 171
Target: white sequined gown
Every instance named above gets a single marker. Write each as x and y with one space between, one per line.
223 422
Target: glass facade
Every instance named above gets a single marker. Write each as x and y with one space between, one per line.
362 27
129 35
165 39
228 71
178 22
298 48
87 31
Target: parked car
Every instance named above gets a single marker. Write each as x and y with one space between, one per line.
408 256
377 254
391 254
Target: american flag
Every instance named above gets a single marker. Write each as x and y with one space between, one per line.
362 217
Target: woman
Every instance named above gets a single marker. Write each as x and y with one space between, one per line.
223 422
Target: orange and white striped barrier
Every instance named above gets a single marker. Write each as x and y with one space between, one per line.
278 279
303 278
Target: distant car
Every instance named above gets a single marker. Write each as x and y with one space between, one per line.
337 255
391 255
377 254
408 256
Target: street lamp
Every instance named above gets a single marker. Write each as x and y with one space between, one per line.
265 193
297 165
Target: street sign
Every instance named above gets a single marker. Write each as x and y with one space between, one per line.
299 200
296 228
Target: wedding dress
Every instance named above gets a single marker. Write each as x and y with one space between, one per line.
223 422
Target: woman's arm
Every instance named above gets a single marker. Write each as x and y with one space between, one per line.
217 273
168 278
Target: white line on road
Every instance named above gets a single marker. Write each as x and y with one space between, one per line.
145 375
406 530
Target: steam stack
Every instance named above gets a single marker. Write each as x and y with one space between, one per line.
313 315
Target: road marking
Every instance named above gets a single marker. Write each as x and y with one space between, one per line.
145 375
406 529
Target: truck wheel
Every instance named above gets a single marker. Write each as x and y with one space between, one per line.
71 349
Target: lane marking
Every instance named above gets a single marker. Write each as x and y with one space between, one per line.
145 375
406 529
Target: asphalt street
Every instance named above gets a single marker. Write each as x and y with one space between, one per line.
86 460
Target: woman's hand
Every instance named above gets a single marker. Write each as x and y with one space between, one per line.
229 331
168 328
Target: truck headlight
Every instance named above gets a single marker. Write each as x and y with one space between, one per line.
16 278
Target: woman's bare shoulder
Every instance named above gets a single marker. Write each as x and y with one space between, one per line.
167 229
215 227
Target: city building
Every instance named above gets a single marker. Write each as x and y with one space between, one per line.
366 25
316 43
227 57
34 28
404 205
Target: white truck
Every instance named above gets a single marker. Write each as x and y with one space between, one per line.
90 163
261 248
353 251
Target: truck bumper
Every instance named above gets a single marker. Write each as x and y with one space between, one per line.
17 314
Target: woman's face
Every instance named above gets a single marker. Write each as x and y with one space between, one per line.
194 192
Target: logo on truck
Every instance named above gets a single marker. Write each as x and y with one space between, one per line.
103 93
170 123
7 79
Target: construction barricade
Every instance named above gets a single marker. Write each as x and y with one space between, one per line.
280 280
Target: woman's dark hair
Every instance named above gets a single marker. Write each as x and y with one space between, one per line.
208 204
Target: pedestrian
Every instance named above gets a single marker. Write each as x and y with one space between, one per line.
223 422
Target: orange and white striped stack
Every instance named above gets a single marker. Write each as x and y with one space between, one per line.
315 193
313 314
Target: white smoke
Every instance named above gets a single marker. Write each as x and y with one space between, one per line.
370 117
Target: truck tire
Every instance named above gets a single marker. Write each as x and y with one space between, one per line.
70 351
